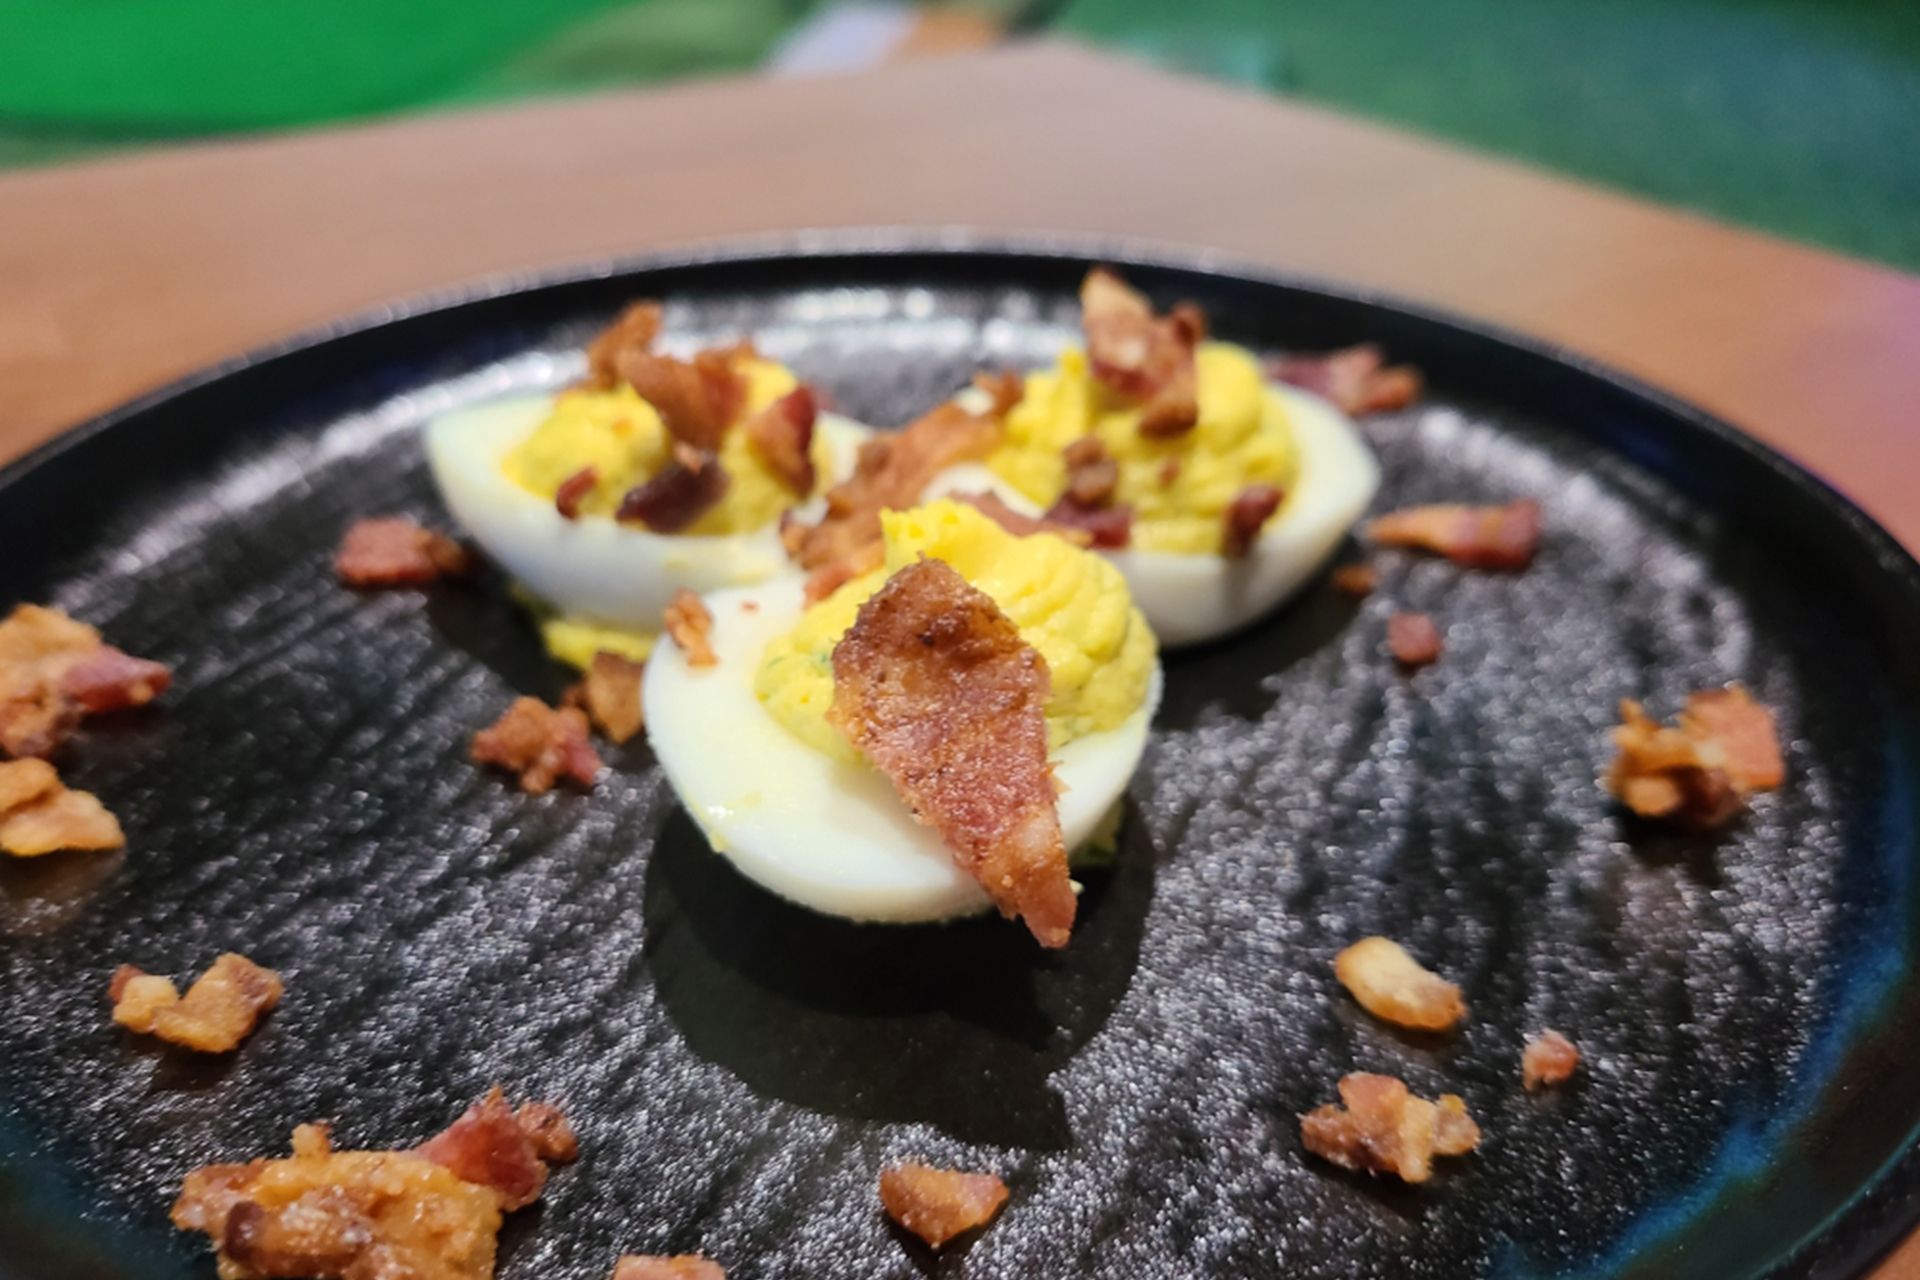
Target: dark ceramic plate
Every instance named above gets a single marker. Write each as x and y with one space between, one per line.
741 1069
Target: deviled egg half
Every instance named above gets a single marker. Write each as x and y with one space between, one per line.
768 767
600 509
1285 464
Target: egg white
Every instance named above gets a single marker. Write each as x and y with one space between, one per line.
593 568
1190 598
825 833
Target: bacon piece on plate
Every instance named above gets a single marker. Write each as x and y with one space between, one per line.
1549 1059
573 491
1381 1127
542 744
1356 379
1004 390
1354 580
678 494
110 680
1140 356
1109 527
1494 537
54 671
1394 987
1413 639
393 551
1245 516
681 1266
1699 774
939 1204
1744 731
220 1009
610 695
782 436
491 1145
934 684
690 623
39 815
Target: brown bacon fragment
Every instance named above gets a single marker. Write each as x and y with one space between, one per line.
394 551
573 491
610 695
1394 987
1699 774
1356 379
696 399
551 1133
1139 356
109 680
1245 516
39 815
633 330
542 744
1092 474
934 684
1413 639
220 1009
1108 527
490 1146
782 436
681 1266
1382 1128
1354 580
1549 1059
690 623
1493 537
1019 525
24 781
54 671
678 494
1004 390
940 1204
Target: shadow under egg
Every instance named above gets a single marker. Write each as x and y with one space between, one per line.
957 1025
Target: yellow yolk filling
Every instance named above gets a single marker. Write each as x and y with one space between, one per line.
1179 489
1069 604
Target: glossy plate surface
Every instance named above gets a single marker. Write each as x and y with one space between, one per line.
740 1069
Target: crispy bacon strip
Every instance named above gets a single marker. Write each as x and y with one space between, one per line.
1245 516
690 623
891 473
1394 987
1413 639
1092 473
934 684
1383 1128
219 1010
1477 537
1109 527
610 695
1005 389
39 815
1354 580
542 744
940 1204
573 491
1356 379
54 671
678 494
1699 774
681 1266
782 435
1142 357
995 509
1549 1059
697 399
634 329
491 1145
394 551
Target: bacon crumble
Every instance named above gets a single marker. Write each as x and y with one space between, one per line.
1004 390
1092 473
542 744
220 1009
934 684
1486 537
55 671
40 815
395 551
1356 379
782 436
692 482
1700 774
690 623
610 695
634 329
1394 987
1413 639
1354 580
681 1266
573 491
1140 356
492 1145
940 1204
1020 525
1245 516
1381 1127
1548 1059
1109 527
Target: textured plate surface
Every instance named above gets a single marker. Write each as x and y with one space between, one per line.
740 1069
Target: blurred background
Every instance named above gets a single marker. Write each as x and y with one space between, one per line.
1800 117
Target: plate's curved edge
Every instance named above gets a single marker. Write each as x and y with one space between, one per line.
1881 1211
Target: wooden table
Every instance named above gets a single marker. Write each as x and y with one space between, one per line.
118 275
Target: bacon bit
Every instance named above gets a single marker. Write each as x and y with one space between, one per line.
1245 515
939 1204
220 1009
829 578
492 1146
1477 537
633 330
551 1133
1413 639
1106 527
39 815
1700 774
1549 1059
1092 474
542 744
1392 986
1355 379
892 471
393 551
782 435
1169 472
680 493
681 1266
1354 580
54 671
696 399
110 680
993 508
1383 1128
1140 356
573 491
1004 389
610 695
690 623
935 686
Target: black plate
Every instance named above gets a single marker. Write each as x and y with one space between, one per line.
741 1069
